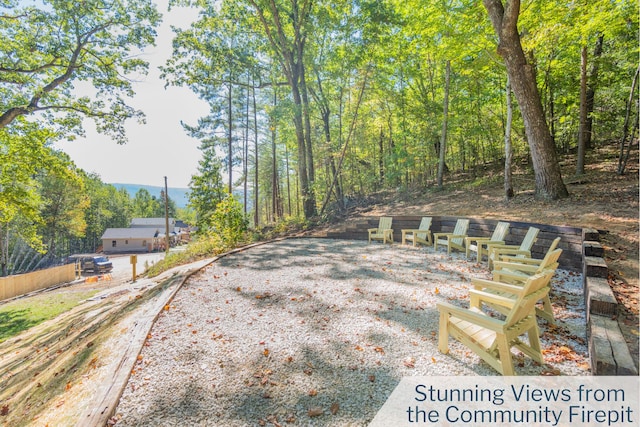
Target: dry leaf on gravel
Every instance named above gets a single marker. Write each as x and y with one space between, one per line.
335 407
316 411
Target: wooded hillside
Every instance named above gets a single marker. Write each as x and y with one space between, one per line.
313 104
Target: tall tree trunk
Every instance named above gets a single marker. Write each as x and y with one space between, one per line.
325 113
346 144
245 155
310 208
256 199
381 157
548 178
591 90
230 138
583 112
286 163
4 250
508 150
289 44
443 135
622 159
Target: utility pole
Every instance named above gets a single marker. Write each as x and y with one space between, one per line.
166 216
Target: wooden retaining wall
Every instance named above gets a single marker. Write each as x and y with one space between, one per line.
570 243
13 286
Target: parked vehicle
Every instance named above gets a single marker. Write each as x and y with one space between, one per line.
92 263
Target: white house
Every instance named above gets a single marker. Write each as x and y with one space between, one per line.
124 240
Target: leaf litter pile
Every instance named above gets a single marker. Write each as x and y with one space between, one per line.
319 332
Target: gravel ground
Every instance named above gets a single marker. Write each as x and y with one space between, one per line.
318 332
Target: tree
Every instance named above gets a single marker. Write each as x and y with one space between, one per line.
64 202
207 188
22 155
49 49
549 184
286 25
146 206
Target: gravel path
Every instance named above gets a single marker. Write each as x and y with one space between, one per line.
318 332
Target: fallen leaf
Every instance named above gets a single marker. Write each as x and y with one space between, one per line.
372 378
266 352
4 410
379 350
433 359
334 408
316 411
312 392
410 362
437 291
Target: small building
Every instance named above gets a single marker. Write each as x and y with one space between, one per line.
125 240
155 223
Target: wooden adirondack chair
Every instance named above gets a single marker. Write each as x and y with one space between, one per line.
519 272
523 251
492 338
383 232
422 234
529 260
453 240
479 244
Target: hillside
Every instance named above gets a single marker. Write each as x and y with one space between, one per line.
178 195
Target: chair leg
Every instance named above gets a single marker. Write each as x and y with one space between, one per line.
534 342
505 356
443 337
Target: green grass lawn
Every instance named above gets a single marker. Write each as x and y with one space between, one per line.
22 314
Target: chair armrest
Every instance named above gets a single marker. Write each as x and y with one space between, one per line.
522 261
501 246
476 239
372 230
470 316
441 234
508 253
503 275
490 242
413 230
456 236
492 298
480 284
499 265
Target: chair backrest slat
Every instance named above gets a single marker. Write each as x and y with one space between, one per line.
385 223
532 291
501 230
462 225
529 239
425 224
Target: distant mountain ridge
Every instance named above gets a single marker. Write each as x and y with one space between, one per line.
178 195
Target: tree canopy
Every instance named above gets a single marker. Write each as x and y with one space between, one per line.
312 103
367 88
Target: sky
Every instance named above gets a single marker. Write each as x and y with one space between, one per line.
160 147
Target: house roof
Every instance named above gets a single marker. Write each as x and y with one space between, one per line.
151 222
129 233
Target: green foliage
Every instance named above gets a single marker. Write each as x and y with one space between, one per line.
228 221
64 201
53 46
207 188
203 246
